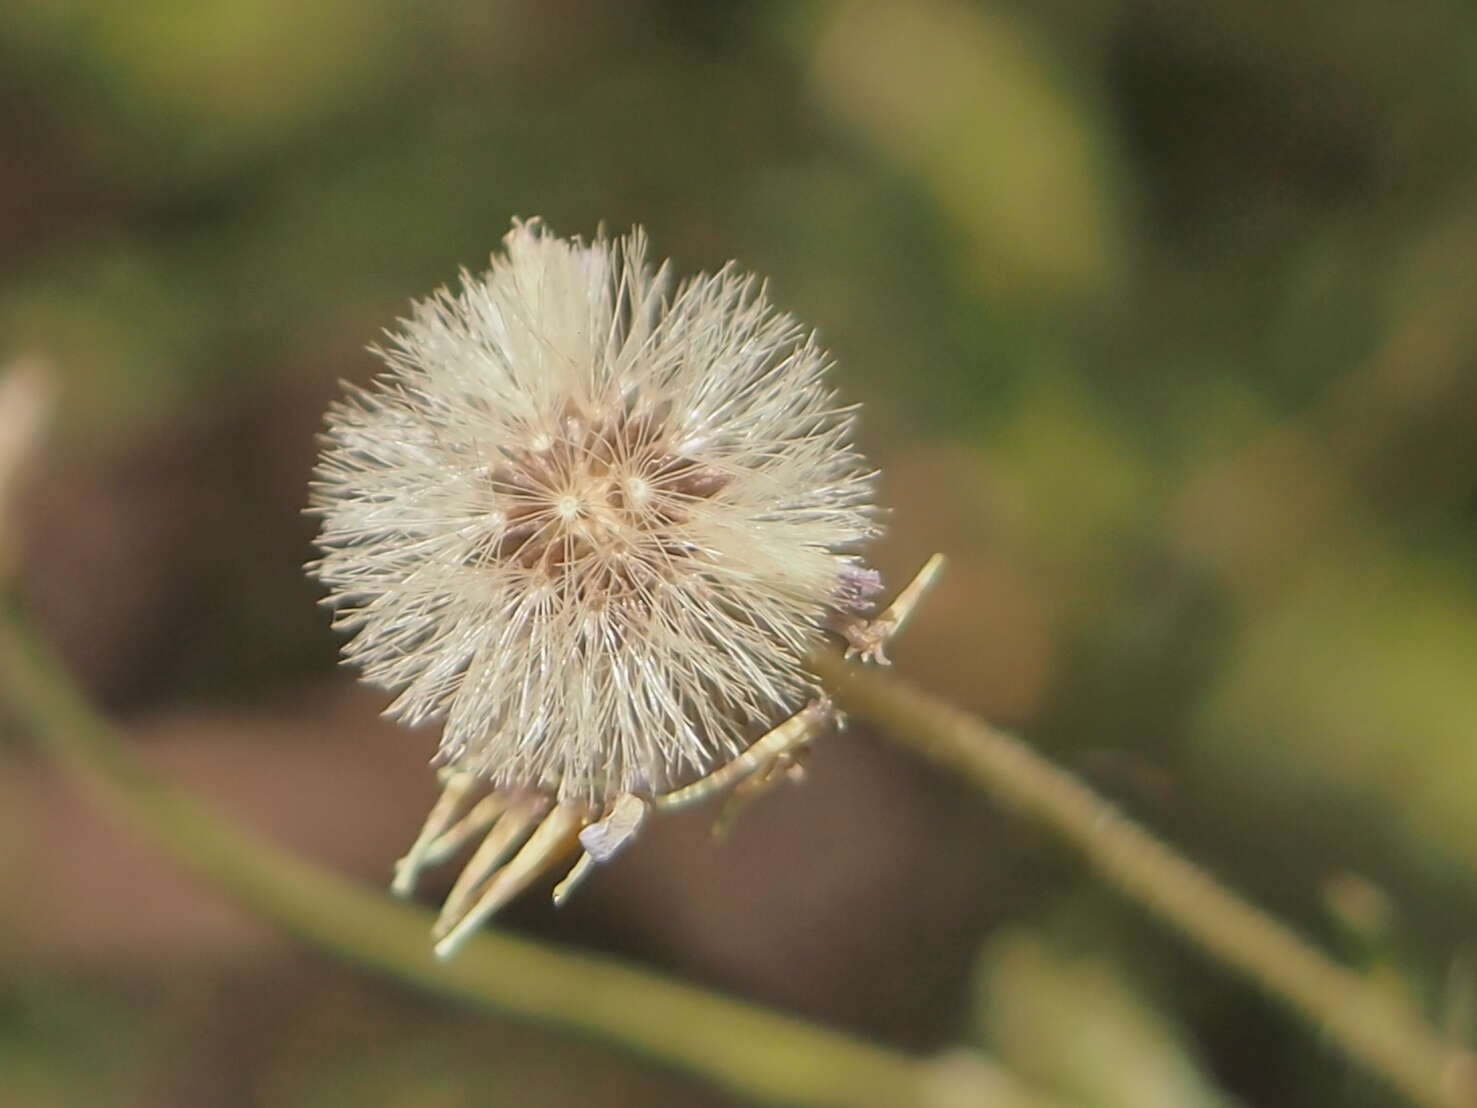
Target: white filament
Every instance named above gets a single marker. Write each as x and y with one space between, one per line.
592 523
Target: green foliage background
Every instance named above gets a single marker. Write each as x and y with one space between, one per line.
1163 319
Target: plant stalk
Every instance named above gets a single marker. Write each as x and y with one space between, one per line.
755 1053
1388 1038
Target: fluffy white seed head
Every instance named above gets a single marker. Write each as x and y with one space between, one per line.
592 523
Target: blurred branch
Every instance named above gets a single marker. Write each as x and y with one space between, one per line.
1387 1037
27 394
754 1053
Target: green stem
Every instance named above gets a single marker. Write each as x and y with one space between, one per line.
758 1054
1388 1038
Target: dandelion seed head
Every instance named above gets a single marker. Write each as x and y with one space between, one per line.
592 521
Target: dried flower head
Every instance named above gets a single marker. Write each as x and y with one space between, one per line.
594 524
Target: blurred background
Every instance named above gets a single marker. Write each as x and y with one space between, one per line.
1163 319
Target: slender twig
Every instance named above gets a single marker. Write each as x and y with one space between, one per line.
759 1054
1386 1036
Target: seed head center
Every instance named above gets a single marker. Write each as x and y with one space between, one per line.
597 494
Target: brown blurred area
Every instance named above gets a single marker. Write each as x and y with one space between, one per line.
1163 322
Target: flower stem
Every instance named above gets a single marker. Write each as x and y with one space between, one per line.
1385 1036
763 1055
758 1054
